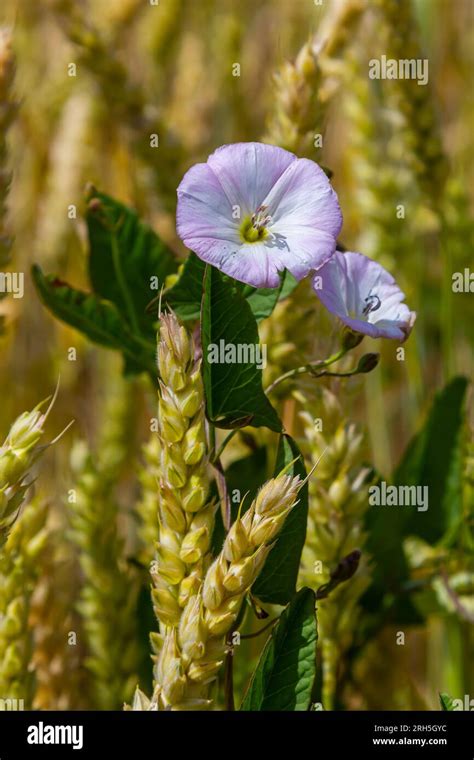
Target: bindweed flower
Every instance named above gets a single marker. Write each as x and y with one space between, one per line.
364 296
254 210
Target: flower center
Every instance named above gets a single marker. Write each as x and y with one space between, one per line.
254 228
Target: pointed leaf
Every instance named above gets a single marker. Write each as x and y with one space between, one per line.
447 702
288 286
126 260
186 294
96 319
431 460
276 583
234 393
284 677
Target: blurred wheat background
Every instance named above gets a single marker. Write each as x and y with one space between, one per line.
167 69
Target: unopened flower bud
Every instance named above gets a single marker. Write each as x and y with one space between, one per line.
368 362
347 566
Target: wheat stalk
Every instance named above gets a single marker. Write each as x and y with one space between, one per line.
107 602
185 517
19 571
304 88
192 654
108 596
8 109
20 450
56 658
337 503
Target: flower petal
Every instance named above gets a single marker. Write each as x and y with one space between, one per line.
215 199
348 281
204 211
300 249
303 196
254 266
248 171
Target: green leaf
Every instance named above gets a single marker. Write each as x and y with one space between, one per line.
262 301
276 583
125 256
447 702
434 459
234 393
284 677
186 294
288 285
390 567
97 319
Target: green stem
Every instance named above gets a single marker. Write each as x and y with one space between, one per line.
217 455
307 369
260 630
220 478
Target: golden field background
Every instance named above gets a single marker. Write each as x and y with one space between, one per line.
142 69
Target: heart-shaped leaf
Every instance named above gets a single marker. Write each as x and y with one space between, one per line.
230 346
